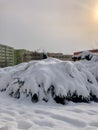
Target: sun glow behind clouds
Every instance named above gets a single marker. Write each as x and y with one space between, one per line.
96 13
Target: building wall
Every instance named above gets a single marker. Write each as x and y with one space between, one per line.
6 56
28 56
60 56
18 56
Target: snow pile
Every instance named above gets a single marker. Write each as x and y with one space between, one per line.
51 80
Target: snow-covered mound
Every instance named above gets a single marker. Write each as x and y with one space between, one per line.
51 80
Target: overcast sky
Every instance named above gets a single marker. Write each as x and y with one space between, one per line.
53 25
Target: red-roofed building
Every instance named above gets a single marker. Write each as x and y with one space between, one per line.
93 51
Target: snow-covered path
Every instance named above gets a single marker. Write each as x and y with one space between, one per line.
23 115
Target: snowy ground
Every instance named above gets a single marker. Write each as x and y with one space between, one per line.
21 115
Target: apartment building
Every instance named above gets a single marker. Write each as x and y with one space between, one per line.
6 56
10 56
18 55
28 56
60 56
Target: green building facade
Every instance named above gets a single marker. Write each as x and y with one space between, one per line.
6 56
18 56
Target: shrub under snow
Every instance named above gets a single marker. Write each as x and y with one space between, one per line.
51 79
86 55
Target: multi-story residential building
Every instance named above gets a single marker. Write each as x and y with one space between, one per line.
28 56
18 55
60 56
10 56
39 55
6 56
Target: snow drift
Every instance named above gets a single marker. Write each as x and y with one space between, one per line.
51 80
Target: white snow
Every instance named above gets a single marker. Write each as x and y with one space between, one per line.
22 115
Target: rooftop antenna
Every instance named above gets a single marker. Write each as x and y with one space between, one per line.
38 49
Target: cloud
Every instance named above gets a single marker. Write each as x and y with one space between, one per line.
48 24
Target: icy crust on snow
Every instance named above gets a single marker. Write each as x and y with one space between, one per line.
51 80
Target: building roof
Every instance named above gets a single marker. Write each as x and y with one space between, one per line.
93 51
6 46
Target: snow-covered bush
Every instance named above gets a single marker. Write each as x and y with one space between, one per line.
86 55
51 79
